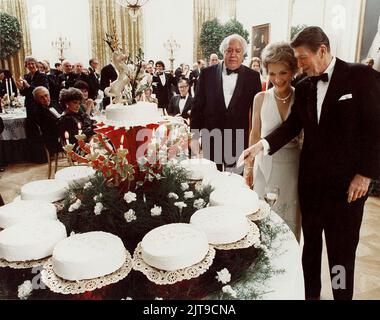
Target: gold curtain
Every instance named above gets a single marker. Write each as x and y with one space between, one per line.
103 15
205 10
15 63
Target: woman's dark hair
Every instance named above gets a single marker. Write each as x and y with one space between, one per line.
71 94
311 37
81 85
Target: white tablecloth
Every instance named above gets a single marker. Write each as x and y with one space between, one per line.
14 126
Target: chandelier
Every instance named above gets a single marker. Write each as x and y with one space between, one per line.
133 6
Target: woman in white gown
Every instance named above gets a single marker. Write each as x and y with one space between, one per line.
270 109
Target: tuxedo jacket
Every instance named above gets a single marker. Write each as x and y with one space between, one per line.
173 108
107 74
209 109
93 79
163 92
67 80
47 122
346 141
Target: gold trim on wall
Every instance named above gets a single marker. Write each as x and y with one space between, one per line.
361 29
15 63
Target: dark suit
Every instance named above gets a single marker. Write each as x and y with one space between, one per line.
163 92
210 112
67 80
94 84
173 108
344 143
47 122
107 75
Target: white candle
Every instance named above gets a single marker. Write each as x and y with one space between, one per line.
67 136
10 86
6 86
80 128
122 142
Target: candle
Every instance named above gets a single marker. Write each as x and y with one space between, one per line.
122 142
67 136
6 86
80 128
10 87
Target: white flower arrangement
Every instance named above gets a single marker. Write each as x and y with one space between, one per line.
199 204
173 195
180 205
24 290
228 289
224 276
75 206
130 197
156 211
130 216
189 194
184 186
98 197
98 208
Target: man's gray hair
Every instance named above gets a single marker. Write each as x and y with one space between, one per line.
38 89
30 58
226 41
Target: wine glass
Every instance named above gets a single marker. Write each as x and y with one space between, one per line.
271 195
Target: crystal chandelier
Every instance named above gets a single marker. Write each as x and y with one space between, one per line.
133 6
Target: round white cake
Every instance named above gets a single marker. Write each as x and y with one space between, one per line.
140 114
46 190
174 246
243 198
31 240
224 180
75 175
26 210
221 224
198 168
88 256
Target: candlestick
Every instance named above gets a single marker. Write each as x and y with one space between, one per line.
67 136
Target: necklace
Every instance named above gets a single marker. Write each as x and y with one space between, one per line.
283 100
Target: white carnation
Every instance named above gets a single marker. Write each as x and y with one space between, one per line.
230 291
75 206
87 185
180 205
184 186
24 290
130 197
130 215
98 208
224 276
98 197
189 194
199 204
157 298
156 211
173 195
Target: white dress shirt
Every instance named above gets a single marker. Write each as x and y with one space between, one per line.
163 79
182 103
229 84
322 88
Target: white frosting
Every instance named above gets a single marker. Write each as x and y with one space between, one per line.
140 114
243 198
75 175
47 190
224 180
88 256
31 240
174 246
222 225
26 210
198 168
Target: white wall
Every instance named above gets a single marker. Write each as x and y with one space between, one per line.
48 19
166 18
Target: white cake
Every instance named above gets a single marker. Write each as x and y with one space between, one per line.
224 180
222 225
198 168
31 240
26 210
140 114
174 246
242 198
75 175
47 190
88 256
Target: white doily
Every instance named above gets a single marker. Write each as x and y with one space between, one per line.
262 213
162 277
59 285
22 264
251 239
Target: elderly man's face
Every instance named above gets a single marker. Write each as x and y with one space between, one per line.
78 68
67 67
234 55
213 59
43 98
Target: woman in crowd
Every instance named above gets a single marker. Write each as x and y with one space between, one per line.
88 105
256 65
271 109
74 121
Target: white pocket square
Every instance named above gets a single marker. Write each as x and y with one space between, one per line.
346 97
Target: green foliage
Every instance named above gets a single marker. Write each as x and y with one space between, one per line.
296 30
213 33
10 35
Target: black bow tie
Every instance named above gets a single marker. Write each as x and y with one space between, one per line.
229 71
183 97
323 77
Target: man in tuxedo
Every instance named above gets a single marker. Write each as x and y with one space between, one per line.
68 77
181 104
93 78
338 108
108 75
162 83
223 104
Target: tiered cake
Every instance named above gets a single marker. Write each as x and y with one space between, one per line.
174 246
198 168
245 199
31 240
75 175
222 225
46 190
224 180
88 256
26 210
